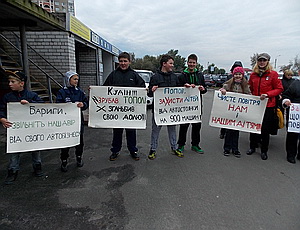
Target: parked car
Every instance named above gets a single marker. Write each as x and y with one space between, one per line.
146 75
209 81
220 80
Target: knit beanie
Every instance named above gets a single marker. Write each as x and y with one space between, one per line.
238 70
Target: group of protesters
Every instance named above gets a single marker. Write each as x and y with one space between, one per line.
263 82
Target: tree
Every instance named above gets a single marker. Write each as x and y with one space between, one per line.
253 60
293 65
152 63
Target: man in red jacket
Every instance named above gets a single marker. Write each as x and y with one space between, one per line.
264 82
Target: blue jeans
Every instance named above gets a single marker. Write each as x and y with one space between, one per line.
14 161
231 141
155 134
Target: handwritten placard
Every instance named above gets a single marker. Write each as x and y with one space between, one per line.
237 111
177 105
294 118
42 126
117 107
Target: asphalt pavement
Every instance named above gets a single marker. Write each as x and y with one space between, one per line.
198 192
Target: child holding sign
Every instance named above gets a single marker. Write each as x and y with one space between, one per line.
237 84
16 82
72 93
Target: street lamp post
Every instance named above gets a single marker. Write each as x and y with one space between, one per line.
276 61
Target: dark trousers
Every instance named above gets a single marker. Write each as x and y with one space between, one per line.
64 154
117 140
195 134
231 141
292 145
222 131
269 126
263 139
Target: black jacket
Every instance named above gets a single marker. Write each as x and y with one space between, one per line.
286 83
127 78
14 96
293 92
162 79
197 78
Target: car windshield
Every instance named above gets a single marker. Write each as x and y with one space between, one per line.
146 76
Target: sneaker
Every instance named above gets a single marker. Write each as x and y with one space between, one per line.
38 170
226 153
197 149
250 151
134 156
79 161
237 154
180 148
113 156
177 153
11 176
152 154
64 166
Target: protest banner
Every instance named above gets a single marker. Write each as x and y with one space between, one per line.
117 107
237 111
177 105
42 126
294 118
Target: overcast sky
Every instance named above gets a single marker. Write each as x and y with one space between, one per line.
218 31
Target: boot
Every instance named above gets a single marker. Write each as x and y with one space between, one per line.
38 170
64 166
11 176
79 161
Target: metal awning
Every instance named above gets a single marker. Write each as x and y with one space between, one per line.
16 13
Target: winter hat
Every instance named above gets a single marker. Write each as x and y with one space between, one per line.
236 64
68 75
238 70
17 75
264 56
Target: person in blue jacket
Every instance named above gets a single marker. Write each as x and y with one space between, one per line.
72 93
17 83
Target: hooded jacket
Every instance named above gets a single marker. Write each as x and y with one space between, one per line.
268 83
72 94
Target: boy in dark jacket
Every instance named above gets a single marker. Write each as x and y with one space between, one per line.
72 93
126 77
16 82
190 78
164 77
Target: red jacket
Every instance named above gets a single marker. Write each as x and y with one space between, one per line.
268 84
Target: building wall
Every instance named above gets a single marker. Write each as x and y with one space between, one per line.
64 52
86 66
58 48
